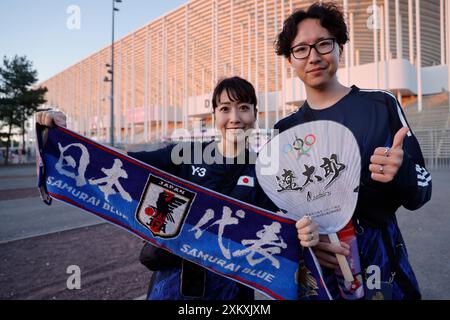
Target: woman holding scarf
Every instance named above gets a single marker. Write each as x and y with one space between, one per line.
228 168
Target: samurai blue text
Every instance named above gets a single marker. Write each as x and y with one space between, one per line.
84 197
198 254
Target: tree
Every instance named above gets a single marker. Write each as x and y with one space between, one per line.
18 99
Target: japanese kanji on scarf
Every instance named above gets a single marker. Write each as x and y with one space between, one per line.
245 243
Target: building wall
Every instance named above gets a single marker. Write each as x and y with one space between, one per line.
166 70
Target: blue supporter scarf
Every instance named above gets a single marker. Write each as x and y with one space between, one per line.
242 242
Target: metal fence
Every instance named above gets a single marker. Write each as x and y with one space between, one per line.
435 145
17 157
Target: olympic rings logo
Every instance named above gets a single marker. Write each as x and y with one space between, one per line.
300 146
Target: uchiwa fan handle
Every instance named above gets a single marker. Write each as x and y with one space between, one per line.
343 263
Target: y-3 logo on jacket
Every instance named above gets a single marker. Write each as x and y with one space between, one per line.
199 171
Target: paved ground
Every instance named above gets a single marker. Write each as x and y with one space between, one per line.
36 268
427 236
38 243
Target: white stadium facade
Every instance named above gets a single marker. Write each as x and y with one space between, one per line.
165 71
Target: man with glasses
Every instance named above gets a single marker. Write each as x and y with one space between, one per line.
392 167
323 46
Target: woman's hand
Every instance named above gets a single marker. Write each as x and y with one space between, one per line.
385 162
51 118
308 232
326 252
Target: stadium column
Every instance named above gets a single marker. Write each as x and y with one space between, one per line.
64 90
216 42
99 97
89 104
76 102
80 98
386 44
203 86
256 51
119 111
84 95
410 29
117 105
387 30
383 59
291 9
133 86
169 99
283 65
266 71
203 81
375 43
159 82
60 91
419 57
442 32
185 84
175 86
213 33
346 53
106 123
146 74
232 37
73 99
81 103
165 79
151 105
242 52
277 105
398 32
447 40
249 45
73 105
193 95
69 98
127 90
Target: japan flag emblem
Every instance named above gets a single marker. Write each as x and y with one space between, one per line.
246 181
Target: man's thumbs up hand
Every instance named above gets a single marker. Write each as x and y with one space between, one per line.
399 137
385 162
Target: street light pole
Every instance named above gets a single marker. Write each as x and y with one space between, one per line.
111 71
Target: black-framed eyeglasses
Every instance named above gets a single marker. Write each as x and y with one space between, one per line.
324 46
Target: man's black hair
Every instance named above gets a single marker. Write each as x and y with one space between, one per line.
330 17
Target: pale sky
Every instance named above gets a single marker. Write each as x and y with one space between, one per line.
39 28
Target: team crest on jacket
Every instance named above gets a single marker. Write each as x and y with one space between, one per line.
163 207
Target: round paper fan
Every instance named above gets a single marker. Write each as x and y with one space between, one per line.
313 169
